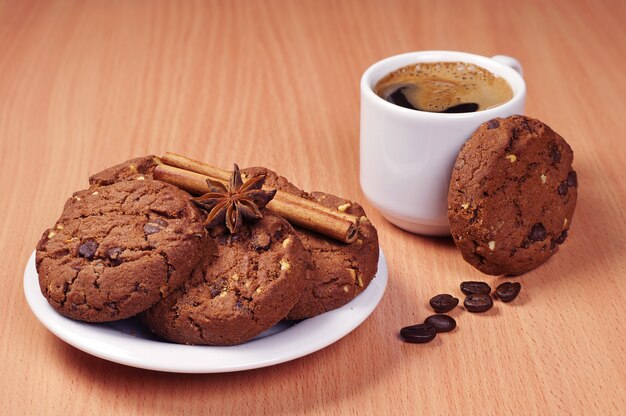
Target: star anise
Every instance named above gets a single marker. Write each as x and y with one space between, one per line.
235 202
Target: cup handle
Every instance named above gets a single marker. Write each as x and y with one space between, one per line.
510 62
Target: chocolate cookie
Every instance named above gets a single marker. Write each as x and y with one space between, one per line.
135 169
118 249
255 280
338 272
512 195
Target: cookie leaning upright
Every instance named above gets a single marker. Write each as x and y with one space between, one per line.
118 249
512 195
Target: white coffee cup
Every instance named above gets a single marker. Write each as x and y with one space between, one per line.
407 155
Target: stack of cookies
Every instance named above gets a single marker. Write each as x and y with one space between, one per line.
216 269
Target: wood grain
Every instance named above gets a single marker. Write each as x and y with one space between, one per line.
86 84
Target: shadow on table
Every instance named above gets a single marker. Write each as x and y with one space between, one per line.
596 238
321 380
326 379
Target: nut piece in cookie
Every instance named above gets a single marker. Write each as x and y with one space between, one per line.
117 250
512 195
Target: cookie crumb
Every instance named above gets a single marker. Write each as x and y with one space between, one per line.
492 245
512 158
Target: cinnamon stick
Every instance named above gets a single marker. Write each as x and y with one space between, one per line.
191 176
183 162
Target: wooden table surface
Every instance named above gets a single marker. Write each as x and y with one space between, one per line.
87 84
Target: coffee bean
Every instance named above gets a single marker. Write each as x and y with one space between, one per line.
508 291
493 124
443 303
478 303
572 179
469 288
418 334
441 323
562 189
88 249
537 232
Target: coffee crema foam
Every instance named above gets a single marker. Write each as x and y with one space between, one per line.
444 87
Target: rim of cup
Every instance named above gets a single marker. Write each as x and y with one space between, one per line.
385 66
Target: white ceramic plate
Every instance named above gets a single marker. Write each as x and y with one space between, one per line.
127 342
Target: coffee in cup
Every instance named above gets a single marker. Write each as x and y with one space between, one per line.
444 87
